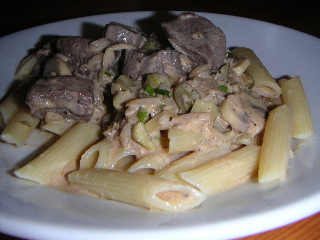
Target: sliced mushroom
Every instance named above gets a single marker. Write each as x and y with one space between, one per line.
184 95
244 113
56 66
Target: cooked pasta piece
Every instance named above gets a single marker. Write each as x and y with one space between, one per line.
13 102
20 127
276 145
97 155
137 189
263 80
141 136
63 153
191 161
162 121
105 154
293 94
59 127
226 172
154 161
25 68
183 141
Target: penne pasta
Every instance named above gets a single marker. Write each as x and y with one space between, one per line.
20 127
183 141
97 156
190 161
293 94
276 145
162 121
63 153
13 102
263 81
141 136
25 68
155 161
106 155
59 127
226 172
137 189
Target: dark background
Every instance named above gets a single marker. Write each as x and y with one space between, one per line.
300 15
303 16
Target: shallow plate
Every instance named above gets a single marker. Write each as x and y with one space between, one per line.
32 211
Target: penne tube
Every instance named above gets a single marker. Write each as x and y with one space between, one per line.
162 121
276 145
226 172
293 94
63 153
183 141
58 127
154 161
263 81
97 155
137 189
106 154
25 68
20 127
14 102
140 135
190 161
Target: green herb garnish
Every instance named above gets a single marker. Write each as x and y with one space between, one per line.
107 74
142 115
150 90
223 88
162 92
149 46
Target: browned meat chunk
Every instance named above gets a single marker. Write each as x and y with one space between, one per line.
139 63
119 33
71 97
198 38
76 49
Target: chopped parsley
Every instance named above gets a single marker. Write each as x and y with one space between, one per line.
223 88
107 74
150 90
142 115
162 92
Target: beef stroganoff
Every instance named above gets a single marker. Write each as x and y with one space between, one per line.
160 121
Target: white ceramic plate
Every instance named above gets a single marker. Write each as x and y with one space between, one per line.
32 211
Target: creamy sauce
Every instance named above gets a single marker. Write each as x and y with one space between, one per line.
175 197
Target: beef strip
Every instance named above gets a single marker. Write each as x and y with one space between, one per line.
198 38
119 33
70 96
76 49
139 63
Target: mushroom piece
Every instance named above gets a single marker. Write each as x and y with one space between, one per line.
184 95
244 113
56 66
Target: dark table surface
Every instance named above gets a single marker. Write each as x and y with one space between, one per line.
303 16
300 15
